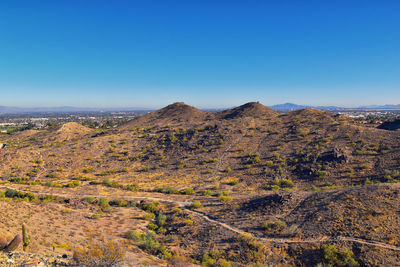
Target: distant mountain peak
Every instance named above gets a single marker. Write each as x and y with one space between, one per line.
251 109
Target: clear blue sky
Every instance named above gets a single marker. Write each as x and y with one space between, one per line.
205 53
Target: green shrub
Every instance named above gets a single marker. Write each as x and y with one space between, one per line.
152 226
88 170
104 203
161 230
89 200
119 203
161 219
188 222
108 183
269 163
256 160
211 160
225 199
52 175
131 187
234 182
322 174
166 190
149 216
152 207
284 183
145 241
53 184
228 169
196 204
338 256
188 191
73 184
208 192
177 210
274 225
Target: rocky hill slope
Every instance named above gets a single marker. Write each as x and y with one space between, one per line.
316 173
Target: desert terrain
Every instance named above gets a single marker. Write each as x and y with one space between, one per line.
246 186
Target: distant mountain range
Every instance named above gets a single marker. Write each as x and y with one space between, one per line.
67 109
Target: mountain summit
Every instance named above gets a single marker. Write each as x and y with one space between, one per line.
251 109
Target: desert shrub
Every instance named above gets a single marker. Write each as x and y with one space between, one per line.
215 258
322 174
208 192
256 160
211 160
188 222
52 175
234 182
104 253
177 210
12 193
274 225
31 173
104 204
108 183
338 256
52 184
131 187
60 245
188 191
269 163
248 166
152 207
273 187
228 169
166 190
73 184
146 241
119 203
149 216
224 193
225 198
240 148
89 200
161 230
284 183
152 226
36 182
19 180
88 170
161 219
196 204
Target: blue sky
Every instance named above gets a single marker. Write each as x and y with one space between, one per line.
205 53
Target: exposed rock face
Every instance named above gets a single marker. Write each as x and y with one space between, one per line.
14 243
335 155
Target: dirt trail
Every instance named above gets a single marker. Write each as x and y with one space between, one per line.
184 205
223 155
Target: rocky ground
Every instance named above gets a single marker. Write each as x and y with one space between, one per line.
22 259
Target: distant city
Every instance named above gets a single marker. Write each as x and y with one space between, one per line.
14 118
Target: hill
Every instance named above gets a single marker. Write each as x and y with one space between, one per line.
252 109
297 181
390 125
172 114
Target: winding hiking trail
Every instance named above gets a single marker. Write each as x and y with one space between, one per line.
184 205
